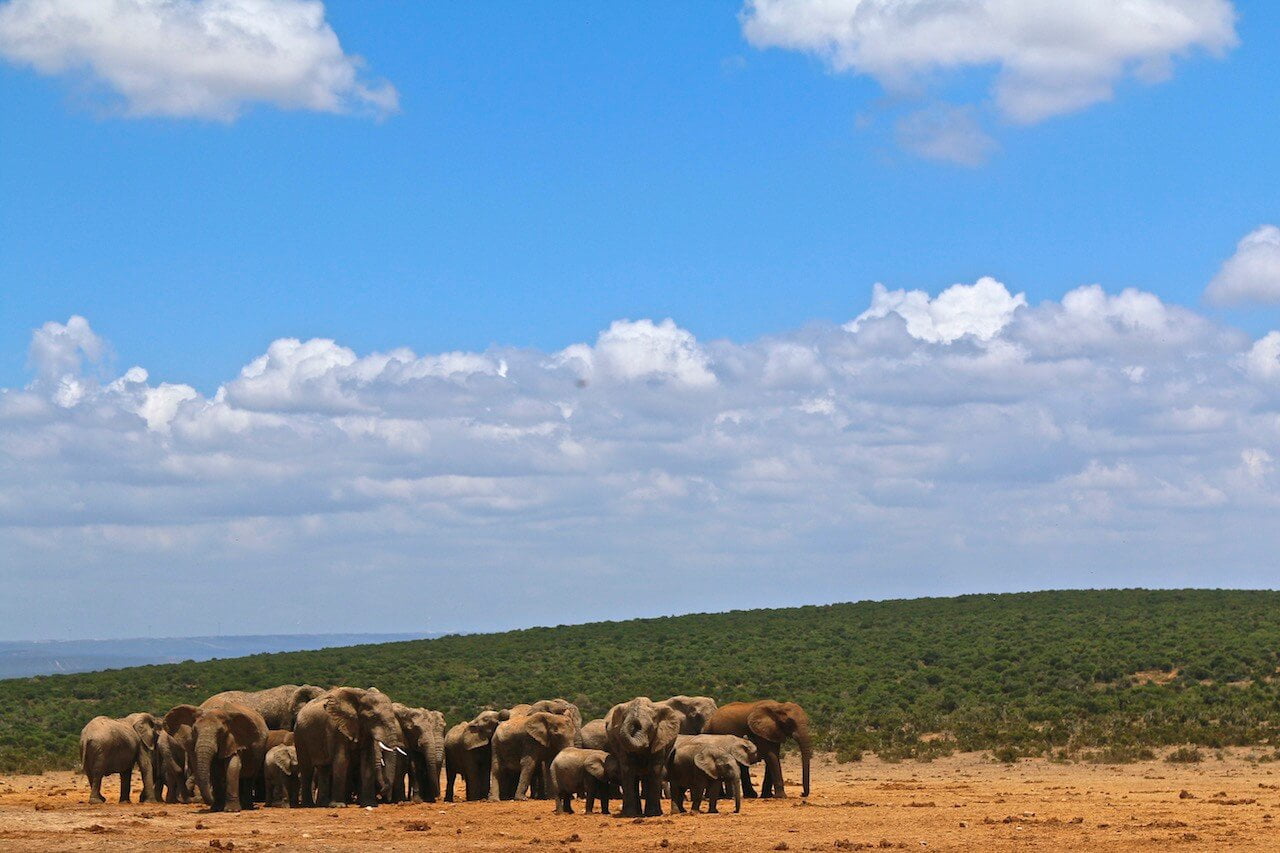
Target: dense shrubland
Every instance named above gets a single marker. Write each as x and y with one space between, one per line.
1092 674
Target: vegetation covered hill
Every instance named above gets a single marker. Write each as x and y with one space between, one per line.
1032 673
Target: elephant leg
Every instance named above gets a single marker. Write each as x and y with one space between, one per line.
450 773
291 792
546 780
630 793
338 780
713 797
95 786
126 784
527 765
748 790
772 786
653 793
233 792
495 782
677 799
306 778
592 793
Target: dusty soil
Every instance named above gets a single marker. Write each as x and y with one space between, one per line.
962 802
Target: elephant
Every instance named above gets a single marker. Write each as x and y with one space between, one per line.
423 732
520 746
348 731
468 751
228 744
767 723
279 706
563 707
641 736
593 735
742 750
280 774
275 737
703 767
590 773
696 709
172 778
109 746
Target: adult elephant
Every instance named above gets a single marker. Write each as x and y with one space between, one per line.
641 735
468 752
522 745
423 732
228 743
593 735
564 708
279 706
109 746
768 724
348 731
696 709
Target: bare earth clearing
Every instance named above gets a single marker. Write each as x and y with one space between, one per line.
962 802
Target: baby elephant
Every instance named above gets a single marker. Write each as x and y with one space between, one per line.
587 772
280 771
703 764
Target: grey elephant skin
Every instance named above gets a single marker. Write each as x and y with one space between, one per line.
768 724
697 710
468 752
423 732
279 706
173 783
522 745
348 732
280 775
705 765
589 773
110 746
594 736
228 742
641 735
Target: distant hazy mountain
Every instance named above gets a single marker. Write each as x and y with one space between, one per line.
18 659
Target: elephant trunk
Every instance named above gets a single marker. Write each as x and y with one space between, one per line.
737 789
206 749
806 753
635 737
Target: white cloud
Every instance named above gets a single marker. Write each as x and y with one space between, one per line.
946 133
935 444
1252 274
1050 57
980 309
642 350
195 58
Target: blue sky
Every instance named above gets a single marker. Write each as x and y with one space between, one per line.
550 172
503 184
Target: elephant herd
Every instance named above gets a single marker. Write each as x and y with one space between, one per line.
301 745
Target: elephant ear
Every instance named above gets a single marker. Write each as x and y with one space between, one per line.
537 728
705 760
763 725
305 694
245 727
613 722
594 764
745 752
179 716
342 705
473 737
148 728
404 715
667 729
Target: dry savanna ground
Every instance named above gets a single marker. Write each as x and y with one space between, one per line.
962 802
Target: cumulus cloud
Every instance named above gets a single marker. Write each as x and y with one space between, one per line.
195 58
1252 274
1048 57
981 309
937 443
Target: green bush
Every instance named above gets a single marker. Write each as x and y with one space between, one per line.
1048 673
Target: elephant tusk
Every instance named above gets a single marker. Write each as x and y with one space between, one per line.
401 751
384 747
